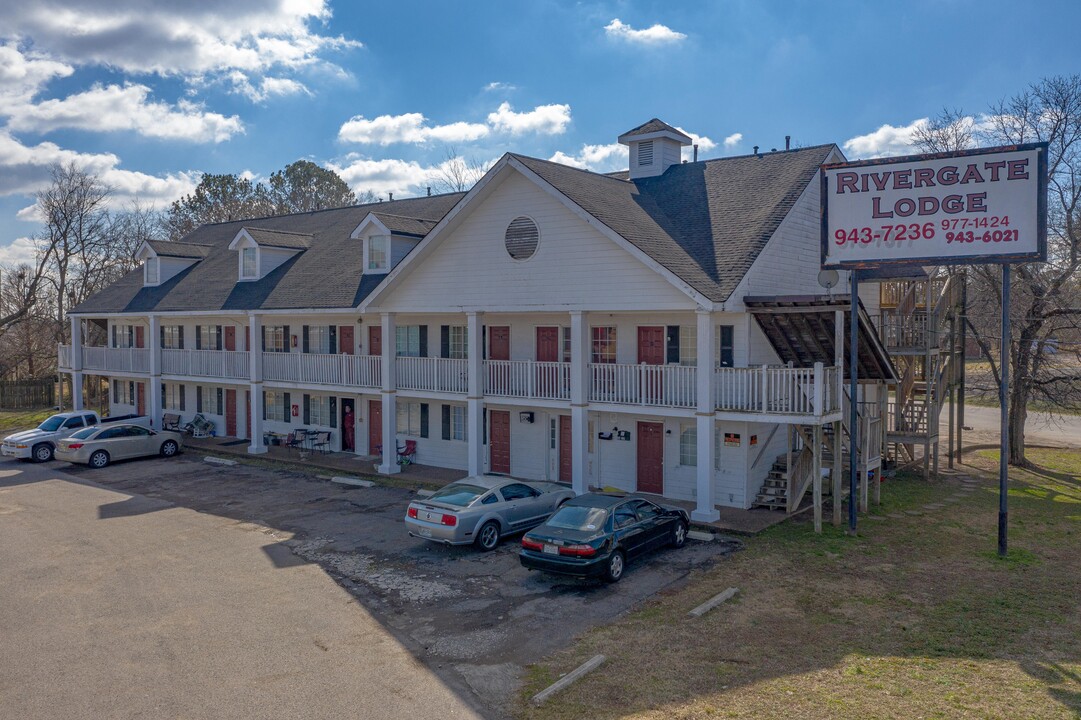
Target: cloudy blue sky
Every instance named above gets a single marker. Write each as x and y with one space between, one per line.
148 94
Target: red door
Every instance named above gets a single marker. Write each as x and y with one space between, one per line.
345 339
651 349
247 415
230 408
375 340
549 377
140 398
247 338
140 338
375 426
230 344
651 457
499 441
499 342
565 448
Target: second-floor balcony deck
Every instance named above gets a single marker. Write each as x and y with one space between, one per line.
760 391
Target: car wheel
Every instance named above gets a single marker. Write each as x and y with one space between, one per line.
488 537
169 448
679 534
99 459
42 452
616 564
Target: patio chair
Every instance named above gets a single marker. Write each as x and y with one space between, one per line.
170 421
321 442
199 427
297 440
407 454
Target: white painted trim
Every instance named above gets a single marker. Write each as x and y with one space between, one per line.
432 238
369 219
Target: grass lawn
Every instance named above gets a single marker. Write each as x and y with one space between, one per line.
12 420
915 618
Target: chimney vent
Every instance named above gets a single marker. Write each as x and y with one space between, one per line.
429 191
755 149
696 152
390 196
787 142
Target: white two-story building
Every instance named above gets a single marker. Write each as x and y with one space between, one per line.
660 330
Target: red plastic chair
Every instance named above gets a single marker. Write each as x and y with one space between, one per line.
408 453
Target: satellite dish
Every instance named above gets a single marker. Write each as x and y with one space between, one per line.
828 279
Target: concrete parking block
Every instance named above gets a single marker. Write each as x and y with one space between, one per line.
567 680
714 602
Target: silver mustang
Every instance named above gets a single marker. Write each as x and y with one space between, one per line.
481 510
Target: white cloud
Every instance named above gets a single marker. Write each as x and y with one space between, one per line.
705 145
22 75
407 128
886 141
599 158
24 169
267 87
543 119
383 176
652 36
18 251
105 108
499 86
414 128
170 38
733 140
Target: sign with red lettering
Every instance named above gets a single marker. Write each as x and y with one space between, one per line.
976 206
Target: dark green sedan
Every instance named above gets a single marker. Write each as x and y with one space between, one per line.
597 534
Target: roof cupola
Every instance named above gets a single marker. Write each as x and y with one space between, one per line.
654 147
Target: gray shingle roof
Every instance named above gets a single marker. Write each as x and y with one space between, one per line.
653 126
165 248
266 237
704 221
400 225
327 275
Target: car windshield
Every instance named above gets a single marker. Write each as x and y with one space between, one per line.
460 495
84 433
52 423
578 518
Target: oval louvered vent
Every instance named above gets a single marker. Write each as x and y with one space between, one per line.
521 239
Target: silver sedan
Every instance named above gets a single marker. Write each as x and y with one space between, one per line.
101 445
481 510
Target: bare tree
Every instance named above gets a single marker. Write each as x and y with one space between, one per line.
949 131
1045 298
457 174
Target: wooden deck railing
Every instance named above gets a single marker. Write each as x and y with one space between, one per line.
649 385
527 379
130 360
450 375
226 364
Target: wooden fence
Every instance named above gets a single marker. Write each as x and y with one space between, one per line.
27 394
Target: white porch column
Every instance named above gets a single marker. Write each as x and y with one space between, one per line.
475 396
255 378
154 384
389 464
77 364
705 415
579 401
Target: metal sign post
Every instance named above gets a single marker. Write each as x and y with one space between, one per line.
853 409
1004 403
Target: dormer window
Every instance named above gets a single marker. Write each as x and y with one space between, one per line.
378 253
151 271
249 263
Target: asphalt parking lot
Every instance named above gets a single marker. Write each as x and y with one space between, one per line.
475 618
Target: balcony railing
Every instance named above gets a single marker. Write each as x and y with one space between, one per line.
527 379
131 360
63 356
449 375
779 391
905 330
649 385
323 369
205 363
